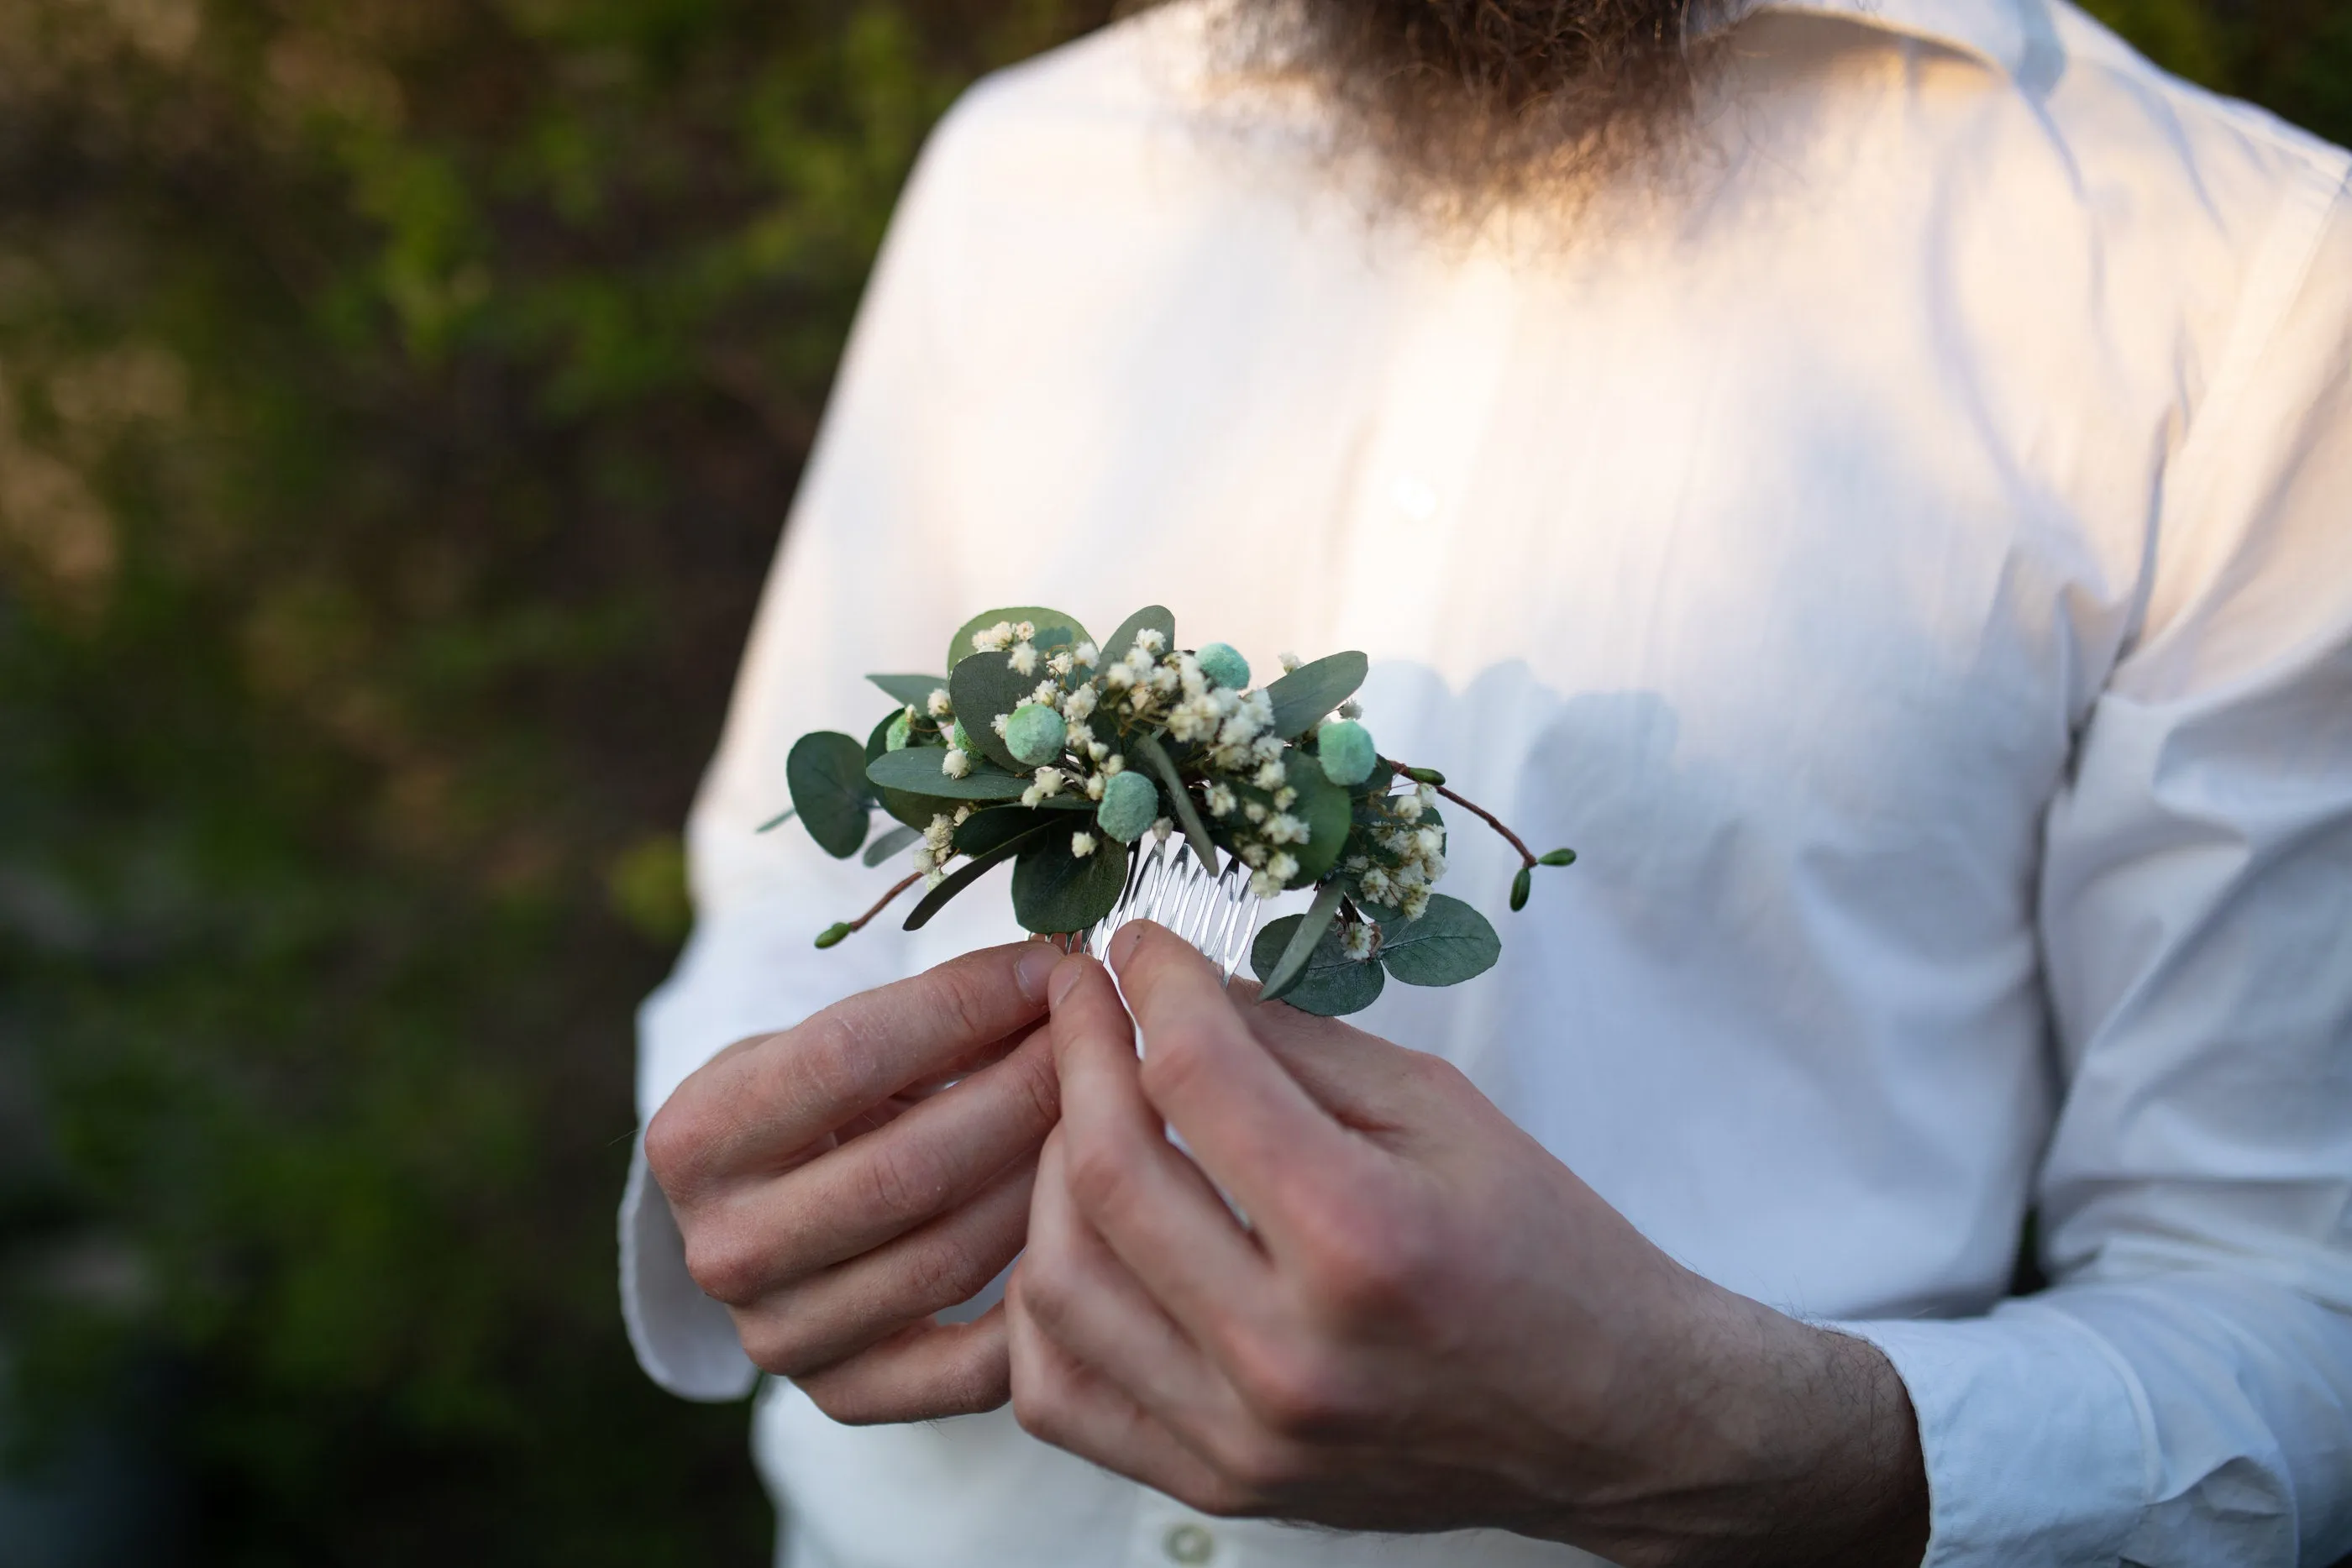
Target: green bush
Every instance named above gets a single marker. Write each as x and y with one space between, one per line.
398 399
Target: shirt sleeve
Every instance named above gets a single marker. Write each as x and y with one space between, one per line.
841 601
2182 1393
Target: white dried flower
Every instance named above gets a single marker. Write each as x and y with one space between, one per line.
1266 884
1118 677
1093 787
954 763
963 813
1407 807
1266 748
1356 940
1024 659
999 723
938 704
1079 707
1111 764
1289 661
1351 709
933 880
1221 800
1188 672
1431 842
1375 886
1253 853
1061 662
1082 844
1255 810
995 640
1282 828
1024 629
1086 653
1194 718
1416 903
1284 798
941 832
1163 681
1270 776
1138 659
923 858
1426 794
1150 639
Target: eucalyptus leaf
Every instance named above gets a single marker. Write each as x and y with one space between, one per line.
826 771
916 771
1054 629
1291 967
1333 984
1055 890
1449 944
1327 808
1188 816
995 827
890 843
1310 691
1156 615
962 877
914 691
981 687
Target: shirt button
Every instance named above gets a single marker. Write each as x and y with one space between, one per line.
1188 1544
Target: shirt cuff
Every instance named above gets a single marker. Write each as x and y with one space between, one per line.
2034 1437
685 1341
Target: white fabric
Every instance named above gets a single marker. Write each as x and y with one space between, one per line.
1916 571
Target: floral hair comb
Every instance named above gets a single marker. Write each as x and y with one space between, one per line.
1080 762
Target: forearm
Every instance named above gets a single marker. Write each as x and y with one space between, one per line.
1781 1443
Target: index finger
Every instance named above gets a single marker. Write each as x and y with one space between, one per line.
1246 1121
760 1105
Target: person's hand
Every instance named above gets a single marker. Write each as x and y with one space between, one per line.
834 1198
1426 1322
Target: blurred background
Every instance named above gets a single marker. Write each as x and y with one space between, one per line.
399 399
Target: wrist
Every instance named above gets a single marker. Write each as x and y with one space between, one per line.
1783 1442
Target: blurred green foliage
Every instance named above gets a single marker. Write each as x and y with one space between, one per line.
398 399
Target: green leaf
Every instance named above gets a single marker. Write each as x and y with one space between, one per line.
1310 691
833 933
1328 811
826 774
1428 775
915 691
915 810
1292 965
916 771
1521 885
1054 629
981 687
1449 944
890 843
1188 816
1333 985
964 876
1124 638
1556 857
984 832
1055 891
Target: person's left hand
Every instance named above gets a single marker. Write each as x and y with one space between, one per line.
1426 1323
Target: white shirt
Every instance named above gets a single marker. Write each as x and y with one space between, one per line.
1915 569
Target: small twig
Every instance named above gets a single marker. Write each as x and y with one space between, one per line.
1491 819
904 885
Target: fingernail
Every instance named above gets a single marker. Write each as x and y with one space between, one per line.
1037 960
1064 977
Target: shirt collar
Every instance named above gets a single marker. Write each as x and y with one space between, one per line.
1996 31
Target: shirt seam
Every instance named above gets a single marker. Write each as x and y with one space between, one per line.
2289 251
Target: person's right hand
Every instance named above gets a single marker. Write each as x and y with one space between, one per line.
833 1201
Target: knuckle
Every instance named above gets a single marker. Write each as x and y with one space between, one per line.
1296 1392
1254 1465
903 1180
828 1056
778 1346
1174 1061
963 998
948 1270
1369 1261
676 1140
722 1266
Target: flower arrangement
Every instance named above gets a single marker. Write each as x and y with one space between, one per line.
1045 749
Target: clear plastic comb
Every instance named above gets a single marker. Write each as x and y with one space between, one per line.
1217 914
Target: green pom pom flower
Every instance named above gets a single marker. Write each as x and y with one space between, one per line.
895 738
961 739
1034 734
1131 803
1224 666
1345 750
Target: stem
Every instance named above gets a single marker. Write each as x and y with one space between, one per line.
883 902
1491 819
